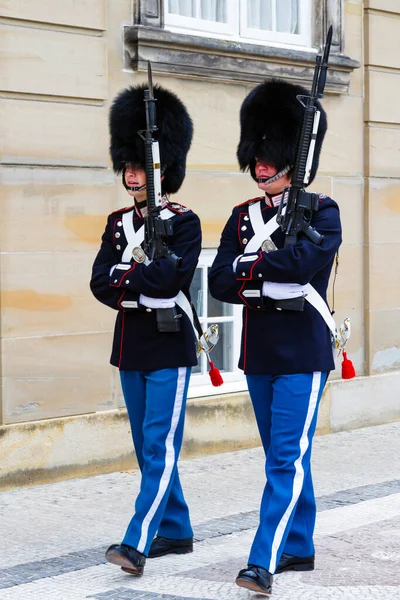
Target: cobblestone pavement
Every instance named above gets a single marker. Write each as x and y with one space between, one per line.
54 536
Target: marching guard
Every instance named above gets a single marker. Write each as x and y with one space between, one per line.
286 347
154 344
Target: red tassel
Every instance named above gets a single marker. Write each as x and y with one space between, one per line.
215 375
348 371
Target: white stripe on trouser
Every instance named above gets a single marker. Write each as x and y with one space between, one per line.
169 459
299 471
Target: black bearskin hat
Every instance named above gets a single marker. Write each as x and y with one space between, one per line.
270 122
175 130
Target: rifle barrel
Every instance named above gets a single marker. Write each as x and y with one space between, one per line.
324 66
150 80
316 76
327 45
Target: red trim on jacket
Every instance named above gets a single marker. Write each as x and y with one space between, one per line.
122 210
127 272
243 299
251 269
248 201
245 339
176 210
240 214
124 275
120 300
113 231
122 339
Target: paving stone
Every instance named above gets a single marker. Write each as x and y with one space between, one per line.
128 594
77 561
56 534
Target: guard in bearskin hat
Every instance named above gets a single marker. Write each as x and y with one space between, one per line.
286 353
154 365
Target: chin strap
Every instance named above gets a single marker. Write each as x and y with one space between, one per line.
275 177
132 188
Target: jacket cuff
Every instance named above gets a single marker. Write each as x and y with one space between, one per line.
248 267
250 294
128 301
120 274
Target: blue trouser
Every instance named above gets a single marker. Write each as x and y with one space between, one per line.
156 403
286 409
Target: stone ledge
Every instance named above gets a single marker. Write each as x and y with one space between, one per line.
57 449
195 57
80 446
364 401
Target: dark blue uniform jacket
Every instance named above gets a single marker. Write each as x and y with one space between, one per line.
279 342
137 344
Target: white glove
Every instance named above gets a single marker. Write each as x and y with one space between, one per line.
235 262
282 291
157 302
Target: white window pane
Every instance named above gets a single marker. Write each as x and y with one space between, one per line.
287 17
218 309
222 355
215 308
229 319
184 8
196 295
213 10
196 292
197 368
259 14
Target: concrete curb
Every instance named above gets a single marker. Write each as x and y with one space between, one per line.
56 449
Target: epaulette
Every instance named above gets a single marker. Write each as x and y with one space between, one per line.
178 208
250 201
122 210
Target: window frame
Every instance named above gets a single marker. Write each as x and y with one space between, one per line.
203 26
302 39
234 381
236 27
189 54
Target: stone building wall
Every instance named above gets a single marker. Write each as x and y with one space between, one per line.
61 64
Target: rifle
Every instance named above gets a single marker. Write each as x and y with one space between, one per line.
298 206
156 229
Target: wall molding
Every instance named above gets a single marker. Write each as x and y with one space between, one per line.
208 59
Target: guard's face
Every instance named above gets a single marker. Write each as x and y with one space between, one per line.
135 176
265 170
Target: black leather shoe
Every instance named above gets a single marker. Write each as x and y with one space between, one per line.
161 546
130 560
255 579
288 562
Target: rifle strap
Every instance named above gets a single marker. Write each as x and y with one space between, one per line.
188 309
196 321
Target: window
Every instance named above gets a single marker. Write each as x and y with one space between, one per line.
281 22
277 21
229 319
215 16
238 41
